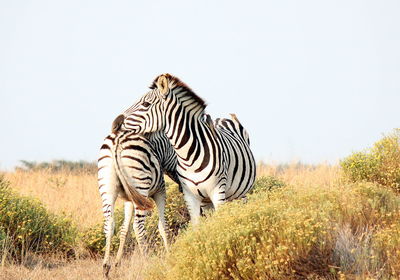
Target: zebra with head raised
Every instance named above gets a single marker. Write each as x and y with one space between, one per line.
215 162
132 166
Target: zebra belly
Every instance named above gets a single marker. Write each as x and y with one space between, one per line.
236 184
202 191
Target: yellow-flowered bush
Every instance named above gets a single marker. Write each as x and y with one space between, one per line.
290 233
26 225
386 245
380 164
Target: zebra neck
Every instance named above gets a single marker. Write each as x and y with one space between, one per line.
192 140
182 118
187 131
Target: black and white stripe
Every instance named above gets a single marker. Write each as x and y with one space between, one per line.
133 162
215 162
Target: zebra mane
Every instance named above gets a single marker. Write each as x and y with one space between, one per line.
186 90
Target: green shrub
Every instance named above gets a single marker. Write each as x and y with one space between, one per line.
94 241
380 164
266 183
27 226
176 215
291 233
3 237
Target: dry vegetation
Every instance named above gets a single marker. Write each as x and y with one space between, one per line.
82 269
74 194
298 174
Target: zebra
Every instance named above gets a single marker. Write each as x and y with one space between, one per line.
215 163
132 166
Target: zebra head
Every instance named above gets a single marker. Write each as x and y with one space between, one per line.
160 107
146 115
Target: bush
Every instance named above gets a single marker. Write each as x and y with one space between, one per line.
386 244
176 215
380 164
291 233
59 166
26 226
266 183
94 241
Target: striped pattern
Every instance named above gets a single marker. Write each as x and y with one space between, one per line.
215 162
133 162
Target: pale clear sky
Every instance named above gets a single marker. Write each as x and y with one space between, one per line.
310 80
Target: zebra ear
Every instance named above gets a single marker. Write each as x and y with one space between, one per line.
117 123
162 85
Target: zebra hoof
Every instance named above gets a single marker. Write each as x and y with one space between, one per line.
106 270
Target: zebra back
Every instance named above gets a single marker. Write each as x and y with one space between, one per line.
234 126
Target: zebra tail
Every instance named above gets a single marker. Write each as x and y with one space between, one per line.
141 202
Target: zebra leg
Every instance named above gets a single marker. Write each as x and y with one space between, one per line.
205 206
159 199
193 205
109 225
109 188
140 231
128 210
218 196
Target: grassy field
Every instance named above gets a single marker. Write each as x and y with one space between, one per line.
75 195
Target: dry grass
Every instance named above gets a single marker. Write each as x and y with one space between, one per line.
296 174
87 269
75 195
